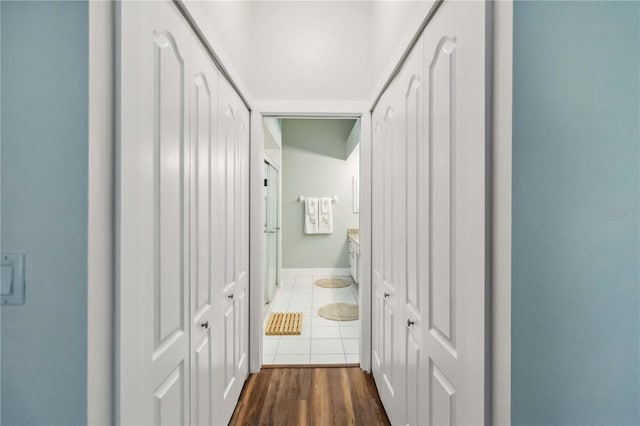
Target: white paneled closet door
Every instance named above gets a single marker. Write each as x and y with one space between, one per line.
415 207
231 290
153 353
456 285
430 216
388 266
183 226
204 138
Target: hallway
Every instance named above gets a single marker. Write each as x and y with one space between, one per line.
310 396
174 170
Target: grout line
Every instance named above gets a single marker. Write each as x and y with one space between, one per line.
292 297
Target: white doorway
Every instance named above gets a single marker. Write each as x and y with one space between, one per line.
342 341
311 216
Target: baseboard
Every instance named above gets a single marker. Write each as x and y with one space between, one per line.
324 272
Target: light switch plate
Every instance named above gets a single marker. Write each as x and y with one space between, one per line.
12 268
7 279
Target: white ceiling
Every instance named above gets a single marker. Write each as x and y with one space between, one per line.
310 50
307 50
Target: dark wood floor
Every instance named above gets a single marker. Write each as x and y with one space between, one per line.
328 396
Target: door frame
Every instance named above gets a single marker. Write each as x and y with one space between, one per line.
501 212
101 303
311 109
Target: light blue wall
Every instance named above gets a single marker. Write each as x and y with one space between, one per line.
575 311
44 209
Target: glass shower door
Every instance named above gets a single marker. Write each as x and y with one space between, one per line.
271 229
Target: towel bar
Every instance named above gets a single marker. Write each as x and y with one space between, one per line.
302 198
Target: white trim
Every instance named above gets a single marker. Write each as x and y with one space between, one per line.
309 108
365 245
256 243
501 231
100 279
316 272
1 202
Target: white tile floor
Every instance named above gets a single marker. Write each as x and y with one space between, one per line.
322 341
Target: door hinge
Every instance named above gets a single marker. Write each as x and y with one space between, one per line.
265 182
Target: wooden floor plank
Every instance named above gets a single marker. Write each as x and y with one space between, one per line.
249 406
297 412
359 383
271 401
298 384
369 412
341 403
324 396
320 398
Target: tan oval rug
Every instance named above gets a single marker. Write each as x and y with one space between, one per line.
332 282
340 311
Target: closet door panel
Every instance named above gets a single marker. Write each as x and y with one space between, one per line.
204 114
229 129
397 277
416 209
153 379
231 292
228 119
429 211
376 245
242 257
443 202
182 208
454 336
389 342
201 381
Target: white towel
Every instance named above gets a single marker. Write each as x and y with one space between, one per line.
326 216
311 215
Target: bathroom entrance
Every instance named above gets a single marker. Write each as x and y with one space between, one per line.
311 314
